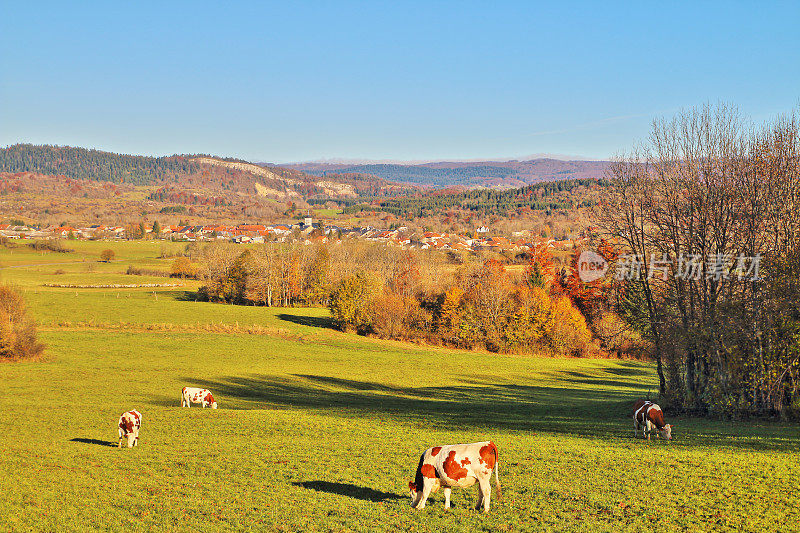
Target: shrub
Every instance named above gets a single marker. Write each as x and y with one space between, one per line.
349 303
618 336
395 317
137 271
107 255
50 246
17 329
569 333
182 267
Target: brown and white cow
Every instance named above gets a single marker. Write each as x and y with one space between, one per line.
456 465
129 424
190 395
648 415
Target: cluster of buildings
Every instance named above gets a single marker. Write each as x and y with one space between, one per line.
306 231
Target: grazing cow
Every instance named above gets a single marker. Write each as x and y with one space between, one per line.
190 395
649 415
456 465
129 424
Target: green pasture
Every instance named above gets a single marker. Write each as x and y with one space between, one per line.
321 431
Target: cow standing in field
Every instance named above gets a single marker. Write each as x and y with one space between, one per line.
456 465
190 395
129 424
648 416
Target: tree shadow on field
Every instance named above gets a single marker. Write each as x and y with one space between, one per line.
348 489
509 406
313 321
95 441
609 377
185 296
485 405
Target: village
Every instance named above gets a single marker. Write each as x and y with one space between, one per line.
308 232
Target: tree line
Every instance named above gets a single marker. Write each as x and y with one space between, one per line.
707 214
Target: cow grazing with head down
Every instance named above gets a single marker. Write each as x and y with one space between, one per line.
648 415
190 395
456 465
129 424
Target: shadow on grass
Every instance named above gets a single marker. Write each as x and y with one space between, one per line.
509 406
347 489
185 296
95 441
313 321
581 412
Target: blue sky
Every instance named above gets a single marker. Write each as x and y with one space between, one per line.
401 80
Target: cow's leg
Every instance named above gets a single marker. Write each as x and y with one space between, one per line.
427 487
447 491
119 445
486 491
647 429
480 499
635 427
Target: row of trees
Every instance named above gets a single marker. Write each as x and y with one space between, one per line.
421 295
482 305
705 191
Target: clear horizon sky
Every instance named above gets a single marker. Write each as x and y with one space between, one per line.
386 81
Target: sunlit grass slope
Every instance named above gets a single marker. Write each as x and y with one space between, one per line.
321 431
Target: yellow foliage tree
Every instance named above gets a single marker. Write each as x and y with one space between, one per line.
569 332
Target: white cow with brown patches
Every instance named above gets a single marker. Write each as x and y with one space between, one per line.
190 395
129 424
648 415
456 465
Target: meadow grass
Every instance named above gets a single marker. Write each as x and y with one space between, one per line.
321 431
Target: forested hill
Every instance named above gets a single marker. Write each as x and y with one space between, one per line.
83 163
466 173
561 194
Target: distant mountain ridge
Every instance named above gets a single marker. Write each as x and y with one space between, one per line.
467 173
210 175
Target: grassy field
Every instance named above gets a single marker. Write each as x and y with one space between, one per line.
321 431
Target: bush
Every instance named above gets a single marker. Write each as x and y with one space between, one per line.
395 317
136 271
17 329
50 246
182 267
349 303
569 333
107 255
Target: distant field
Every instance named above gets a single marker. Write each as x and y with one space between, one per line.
321 431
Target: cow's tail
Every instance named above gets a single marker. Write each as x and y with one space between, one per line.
497 471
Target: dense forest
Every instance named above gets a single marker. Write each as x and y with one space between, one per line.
427 175
93 164
539 197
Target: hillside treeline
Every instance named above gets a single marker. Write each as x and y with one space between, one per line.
93 164
709 213
561 194
420 295
425 175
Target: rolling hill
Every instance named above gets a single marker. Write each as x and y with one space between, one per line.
43 181
466 173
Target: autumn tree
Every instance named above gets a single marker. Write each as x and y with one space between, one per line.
18 337
706 212
349 300
182 267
